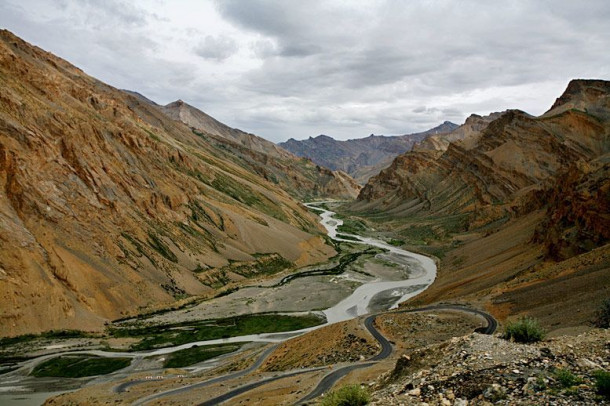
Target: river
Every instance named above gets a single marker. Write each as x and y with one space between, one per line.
369 297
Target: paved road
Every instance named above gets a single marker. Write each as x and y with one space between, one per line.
329 380
386 347
187 388
243 389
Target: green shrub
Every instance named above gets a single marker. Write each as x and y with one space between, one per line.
77 366
566 378
350 395
524 330
602 318
602 383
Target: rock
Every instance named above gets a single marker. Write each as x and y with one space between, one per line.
494 393
460 402
414 392
587 364
450 395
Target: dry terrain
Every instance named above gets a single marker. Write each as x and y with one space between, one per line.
109 207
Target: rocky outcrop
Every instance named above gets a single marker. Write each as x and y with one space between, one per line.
577 216
467 134
109 208
362 157
585 95
200 121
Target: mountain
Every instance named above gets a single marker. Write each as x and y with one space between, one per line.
362 157
504 157
109 208
466 132
199 120
300 177
516 205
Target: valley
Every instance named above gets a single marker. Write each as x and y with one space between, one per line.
151 254
369 288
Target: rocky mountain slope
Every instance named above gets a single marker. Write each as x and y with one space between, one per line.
199 120
503 163
362 157
484 370
300 177
109 208
466 132
518 208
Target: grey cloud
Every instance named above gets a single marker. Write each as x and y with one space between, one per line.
218 48
342 68
264 48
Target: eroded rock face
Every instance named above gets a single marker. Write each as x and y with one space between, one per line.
108 207
577 220
504 167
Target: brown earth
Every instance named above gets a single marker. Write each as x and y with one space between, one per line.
516 206
108 207
341 342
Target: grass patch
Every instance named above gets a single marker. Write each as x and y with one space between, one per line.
351 226
347 237
53 334
524 330
350 395
396 243
565 378
151 134
265 264
195 354
418 235
602 383
183 333
338 269
158 245
139 247
78 366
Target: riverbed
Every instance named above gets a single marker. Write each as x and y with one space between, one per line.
371 296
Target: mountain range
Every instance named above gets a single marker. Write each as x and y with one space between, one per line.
363 157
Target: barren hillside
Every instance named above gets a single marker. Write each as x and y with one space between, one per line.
108 207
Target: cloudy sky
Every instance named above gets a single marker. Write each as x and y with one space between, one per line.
296 68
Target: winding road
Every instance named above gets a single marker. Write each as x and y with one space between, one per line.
329 380
386 347
259 361
359 303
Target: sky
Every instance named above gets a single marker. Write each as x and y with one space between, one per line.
293 68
